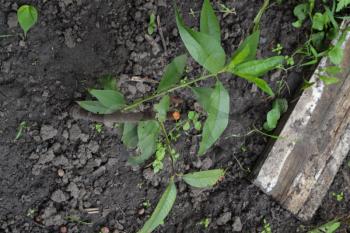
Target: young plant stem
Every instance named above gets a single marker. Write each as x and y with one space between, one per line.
168 143
162 93
260 14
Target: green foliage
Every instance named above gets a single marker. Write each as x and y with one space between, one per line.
246 51
301 12
27 17
266 227
338 196
204 48
160 155
162 209
342 4
205 222
329 227
218 113
130 137
94 107
22 126
204 179
209 24
193 119
98 127
152 24
202 95
279 107
148 132
108 82
162 108
112 100
329 80
173 73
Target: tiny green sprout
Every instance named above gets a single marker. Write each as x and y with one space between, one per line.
22 126
278 49
226 10
31 212
205 222
27 17
266 227
146 204
98 127
174 154
152 24
192 13
160 155
338 196
289 60
186 126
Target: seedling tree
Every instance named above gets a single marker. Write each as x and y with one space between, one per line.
205 48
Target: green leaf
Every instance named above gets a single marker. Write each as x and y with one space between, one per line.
162 108
336 55
329 80
94 107
204 49
329 227
300 11
281 105
112 100
333 70
108 82
162 209
27 17
318 21
151 24
342 4
204 179
217 120
209 24
260 83
130 138
246 51
173 73
257 68
148 132
203 96
272 119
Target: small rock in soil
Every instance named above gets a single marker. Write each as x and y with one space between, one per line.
73 189
224 218
58 196
63 229
47 132
74 133
237 225
60 172
12 20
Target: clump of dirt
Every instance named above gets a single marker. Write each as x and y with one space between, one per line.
63 172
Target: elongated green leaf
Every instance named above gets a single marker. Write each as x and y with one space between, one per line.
217 120
148 132
246 51
329 227
257 68
329 80
301 12
336 54
113 100
173 73
94 107
130 138
272 119
27 17
203 96
260 83
209 23
162 209
206 50
204 179
162 108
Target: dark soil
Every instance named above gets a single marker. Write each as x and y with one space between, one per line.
75 43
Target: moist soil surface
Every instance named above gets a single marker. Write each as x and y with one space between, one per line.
60 168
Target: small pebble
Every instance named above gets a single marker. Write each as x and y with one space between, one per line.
60 172
141 211
104 230
63 229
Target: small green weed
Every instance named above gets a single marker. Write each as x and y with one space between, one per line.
152 24
338 196
22 126
98 127
205 222
27 17
266 227
329 227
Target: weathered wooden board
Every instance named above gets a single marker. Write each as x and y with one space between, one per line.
299 168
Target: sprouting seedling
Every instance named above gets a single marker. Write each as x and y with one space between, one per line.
338 196
27 17
226 10
98 127
278 49
20 130
152 24
205 222
266 227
